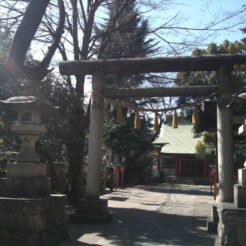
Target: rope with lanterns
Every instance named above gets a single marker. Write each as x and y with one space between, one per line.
137 125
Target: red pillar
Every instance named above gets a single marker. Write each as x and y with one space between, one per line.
177 167
122 176
205 169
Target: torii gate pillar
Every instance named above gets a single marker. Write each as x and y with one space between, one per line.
95 138
91 209
224 136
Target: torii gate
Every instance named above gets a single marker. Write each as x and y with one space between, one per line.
222 64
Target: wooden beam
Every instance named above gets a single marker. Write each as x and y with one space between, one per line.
160 92
151 65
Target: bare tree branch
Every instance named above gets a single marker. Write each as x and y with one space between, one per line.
24 35
57 37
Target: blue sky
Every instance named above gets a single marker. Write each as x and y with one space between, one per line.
214 9
218 9
200 14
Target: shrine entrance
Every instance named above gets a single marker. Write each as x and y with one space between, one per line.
92 206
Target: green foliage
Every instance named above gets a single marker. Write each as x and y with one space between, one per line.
130 36
52 147
133 146
141 166
206 149
209 78
129 39
124 140
9 140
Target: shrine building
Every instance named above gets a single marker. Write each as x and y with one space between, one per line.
177 156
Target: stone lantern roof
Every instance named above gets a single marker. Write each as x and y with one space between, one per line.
27 103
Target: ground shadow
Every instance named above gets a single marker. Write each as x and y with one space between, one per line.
140 227
176 189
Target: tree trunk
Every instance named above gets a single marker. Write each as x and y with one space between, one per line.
76 142
76 152
75 176
26 31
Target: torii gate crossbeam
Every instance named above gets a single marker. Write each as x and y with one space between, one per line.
151 65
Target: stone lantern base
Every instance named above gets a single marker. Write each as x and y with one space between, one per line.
27 187
25 221
29 215
25 180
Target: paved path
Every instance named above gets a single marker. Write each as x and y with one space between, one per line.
151 215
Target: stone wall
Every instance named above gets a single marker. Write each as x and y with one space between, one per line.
231 226
32 221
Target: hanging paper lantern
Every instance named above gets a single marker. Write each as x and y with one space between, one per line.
128 115
119 115
137 124
175 120
195 117
155 124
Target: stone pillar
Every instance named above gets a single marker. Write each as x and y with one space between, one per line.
91 209
224 136
232 216
95 138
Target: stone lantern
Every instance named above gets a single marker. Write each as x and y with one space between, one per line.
29 214
27 177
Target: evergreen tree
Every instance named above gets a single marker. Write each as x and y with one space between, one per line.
130 39
209 78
